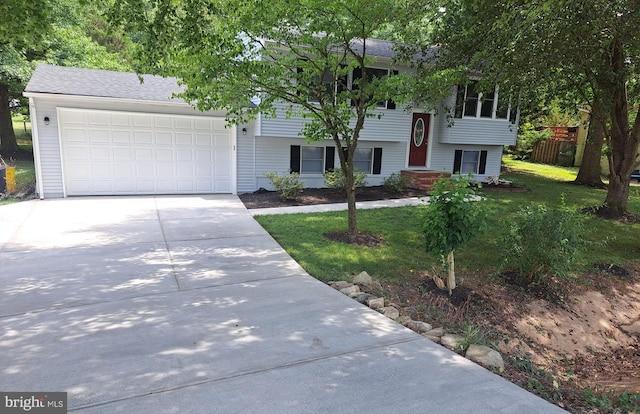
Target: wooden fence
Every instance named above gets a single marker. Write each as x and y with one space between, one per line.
554 152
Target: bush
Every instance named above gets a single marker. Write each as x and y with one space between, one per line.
335 179
396 183
544 241
288 185
528 137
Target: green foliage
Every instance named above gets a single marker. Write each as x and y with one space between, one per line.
528 137
544 241
396 183
539 380
288 185
453 216
336 179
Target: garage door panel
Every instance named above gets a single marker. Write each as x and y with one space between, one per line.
184 123
162 122
145 172
98 118
76 135
164 138
140 120
121 136
122 154
142 137
134 153
165 155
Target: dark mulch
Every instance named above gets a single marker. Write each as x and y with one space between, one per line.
613 270
459 296
608 213
310 196
360 239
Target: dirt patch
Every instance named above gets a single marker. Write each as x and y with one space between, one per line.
359 239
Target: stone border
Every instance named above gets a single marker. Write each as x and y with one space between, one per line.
481 354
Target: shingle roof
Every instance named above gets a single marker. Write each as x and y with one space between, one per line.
102 83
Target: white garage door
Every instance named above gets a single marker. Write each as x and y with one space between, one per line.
119 153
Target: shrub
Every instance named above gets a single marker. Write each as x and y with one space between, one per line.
335 179
396 183
288 185
544 241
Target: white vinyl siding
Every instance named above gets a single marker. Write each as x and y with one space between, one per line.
393 125
273 155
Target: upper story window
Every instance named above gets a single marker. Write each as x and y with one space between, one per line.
331 85
372 74
326 85
473 104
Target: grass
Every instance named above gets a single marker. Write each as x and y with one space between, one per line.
404 253
22 130
25 169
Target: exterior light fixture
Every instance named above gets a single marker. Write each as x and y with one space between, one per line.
244 131
46 120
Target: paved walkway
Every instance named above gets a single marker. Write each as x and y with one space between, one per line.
186 305
319 208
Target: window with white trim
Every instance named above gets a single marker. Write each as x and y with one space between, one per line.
312 160
473 104
363 159
372 74
470 162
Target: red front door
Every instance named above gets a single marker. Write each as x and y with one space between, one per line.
419 140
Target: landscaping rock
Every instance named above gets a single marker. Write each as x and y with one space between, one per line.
390 312
419 326
363 278
350 290
433 338
340 284
485 356
403 320
375 303
437 332
362 297
376 287
452 342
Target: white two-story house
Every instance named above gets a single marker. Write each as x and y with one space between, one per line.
106 133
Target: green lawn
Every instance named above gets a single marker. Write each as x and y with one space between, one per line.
302 234
25 170
22 130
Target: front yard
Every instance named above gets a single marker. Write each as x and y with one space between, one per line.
553 341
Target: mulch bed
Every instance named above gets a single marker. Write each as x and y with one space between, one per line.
311 196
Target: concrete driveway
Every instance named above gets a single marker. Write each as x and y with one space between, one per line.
186 305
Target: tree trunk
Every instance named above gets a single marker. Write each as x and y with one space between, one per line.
8 143
451 280
590 171
352 218
623 147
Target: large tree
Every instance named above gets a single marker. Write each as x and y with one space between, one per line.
250 57
53 32
593 45
24 22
